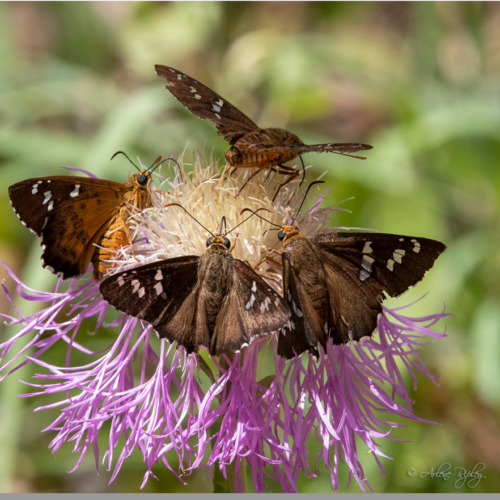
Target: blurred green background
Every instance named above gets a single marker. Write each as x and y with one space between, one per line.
418 81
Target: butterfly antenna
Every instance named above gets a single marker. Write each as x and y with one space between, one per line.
304 199
178 205
126 156
223 221
157 163
303 172
253 213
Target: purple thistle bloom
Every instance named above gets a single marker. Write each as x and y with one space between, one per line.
219 412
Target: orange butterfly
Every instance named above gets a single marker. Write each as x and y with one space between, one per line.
81 220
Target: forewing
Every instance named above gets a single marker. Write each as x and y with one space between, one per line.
250 308
305 328
359 267
328 148
69 214
206 104
165 294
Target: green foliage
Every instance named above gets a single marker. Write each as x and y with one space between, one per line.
418 81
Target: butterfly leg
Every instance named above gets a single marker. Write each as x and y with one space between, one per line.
271 169
126 230
267 258
248 180
292 175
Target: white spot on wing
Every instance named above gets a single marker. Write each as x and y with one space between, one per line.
136 284
35 188
121 281
251 301
398 255
254 287
367 248
163 295
220 103
50 268
390 265
416 246
158 288
265 305
363 275
142 292
193 90
196 96
367 263
48 196
216 108
51 206
76 191
159 275
218 116
296 310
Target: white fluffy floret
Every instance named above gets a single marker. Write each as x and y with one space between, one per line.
208 193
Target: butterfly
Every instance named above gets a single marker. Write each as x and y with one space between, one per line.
334 283
251 146
80 220
212 300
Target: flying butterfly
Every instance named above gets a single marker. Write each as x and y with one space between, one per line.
212 300
334 283
81 219
251 146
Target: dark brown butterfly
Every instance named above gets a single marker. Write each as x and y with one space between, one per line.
80 219
334 283
214 300
251 146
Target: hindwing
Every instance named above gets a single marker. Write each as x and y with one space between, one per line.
250 308
69 214
206 104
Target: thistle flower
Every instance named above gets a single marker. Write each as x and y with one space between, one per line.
160 400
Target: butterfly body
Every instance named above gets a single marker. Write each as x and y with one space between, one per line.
213 300
335 283
251 146
136 198
78 219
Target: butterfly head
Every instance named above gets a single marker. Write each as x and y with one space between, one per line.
288 233
141 179
218 243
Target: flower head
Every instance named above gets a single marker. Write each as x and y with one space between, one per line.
217 412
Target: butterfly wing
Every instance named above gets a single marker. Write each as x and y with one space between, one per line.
165 294
346 149
305 328
359 267
69 214
250 308
231 123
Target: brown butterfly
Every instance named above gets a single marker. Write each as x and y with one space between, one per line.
80 219
334 283
251 146
212 300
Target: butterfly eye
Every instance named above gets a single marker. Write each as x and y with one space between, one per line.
227 243
209 241
281 235
142 180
